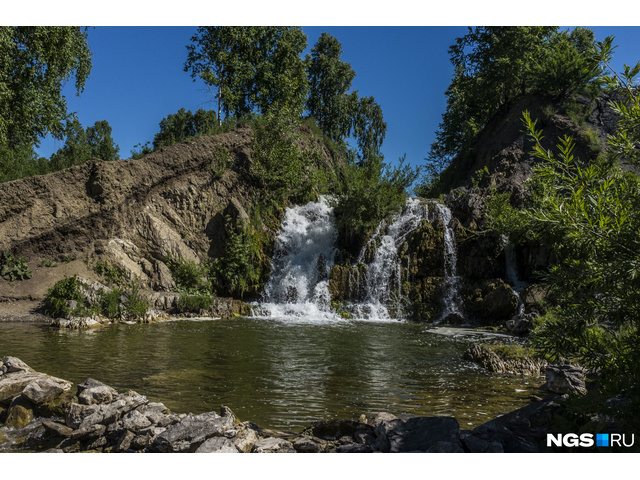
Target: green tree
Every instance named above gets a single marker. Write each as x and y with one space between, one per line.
21 161
593 210
493 66
183 124
369 129
35 62
372 192
81 145
329 83
100 141
251 67
76 149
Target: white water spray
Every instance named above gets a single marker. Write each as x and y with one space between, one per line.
451 299
383 279
303 255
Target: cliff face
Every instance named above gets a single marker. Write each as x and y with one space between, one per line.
135 214
504 148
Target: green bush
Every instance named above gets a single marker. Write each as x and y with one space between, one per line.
372 192
110 303
136 305
58 296
113 274
191 277
193 303
12 268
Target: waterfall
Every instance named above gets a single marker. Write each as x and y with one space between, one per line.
383 279
512 272
303 255
451 297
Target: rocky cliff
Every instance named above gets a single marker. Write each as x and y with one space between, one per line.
176 203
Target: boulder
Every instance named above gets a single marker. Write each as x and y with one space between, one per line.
520 431
307 444
565 379
273 445
92 392
45 390
416 434
57 428
15 365
217 445
20 412
13 383
191 431
245 439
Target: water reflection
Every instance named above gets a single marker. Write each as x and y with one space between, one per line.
277 374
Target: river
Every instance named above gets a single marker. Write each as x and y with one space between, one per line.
282 373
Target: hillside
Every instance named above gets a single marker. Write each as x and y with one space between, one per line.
177 203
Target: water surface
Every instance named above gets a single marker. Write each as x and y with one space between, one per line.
281 374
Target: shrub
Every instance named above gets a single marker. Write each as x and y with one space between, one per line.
56 302
110 303
12 268
191 277
113 274
193 303
136 305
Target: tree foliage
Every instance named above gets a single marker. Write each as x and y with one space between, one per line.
253 68
493 66
183 124
329 82
372 192
81 145
35 62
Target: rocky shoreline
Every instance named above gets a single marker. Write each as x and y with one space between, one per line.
41 413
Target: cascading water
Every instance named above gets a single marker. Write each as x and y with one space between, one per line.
382 282
305 251
451 297
303 255
512 273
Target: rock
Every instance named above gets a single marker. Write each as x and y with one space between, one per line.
491 360
92 392
217 445
15 365
20 412
378 418
135 421
191 431
124 442
474 444
354 448
45 390
445 447
491 300
245 439
520 325
57 428
86 415
88 433
416 434
520 431
307 444
273 445
334 428
565 379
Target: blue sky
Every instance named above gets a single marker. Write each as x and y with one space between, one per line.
137 79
